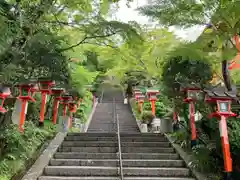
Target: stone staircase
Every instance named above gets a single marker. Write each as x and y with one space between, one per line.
127 122
93 156
102 120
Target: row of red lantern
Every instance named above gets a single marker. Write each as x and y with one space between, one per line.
28 90
151 95
223 112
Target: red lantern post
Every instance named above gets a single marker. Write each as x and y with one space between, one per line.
4 93
45 88
140 100
56 92
66 99
223 112
192 95
26 93
152 96
72 109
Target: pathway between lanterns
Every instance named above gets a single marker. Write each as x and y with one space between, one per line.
113 151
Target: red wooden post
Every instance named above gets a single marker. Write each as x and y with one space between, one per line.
72 109
26 93
225 145
222 113
175 116
192 95
193 125
56 92
23 115
140 100
152 95
55 110
153 107
65 109
45 88
43 104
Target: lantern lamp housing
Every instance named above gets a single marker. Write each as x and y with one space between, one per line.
137 93
193 95
224 106
153 97
26 92
66 99
141 98
45 84
57 91
152 94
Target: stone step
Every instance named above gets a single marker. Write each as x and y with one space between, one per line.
123 139
76 155
115 162
115 149
111 144
137 134
92 134
110 178
113 171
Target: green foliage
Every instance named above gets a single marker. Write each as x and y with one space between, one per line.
204 161
85 108
182 138
20 147
179 71
160 109
147 117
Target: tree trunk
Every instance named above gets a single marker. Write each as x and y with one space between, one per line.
226 75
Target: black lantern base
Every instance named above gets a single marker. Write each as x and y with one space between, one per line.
227 176
193 143
41 124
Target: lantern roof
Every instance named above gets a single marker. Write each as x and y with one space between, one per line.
152 91
28 84
189 86
221 93
67 96
58 90
46 80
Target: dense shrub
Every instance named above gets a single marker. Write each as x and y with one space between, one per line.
17 148
147 117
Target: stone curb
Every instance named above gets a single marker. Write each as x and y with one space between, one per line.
37 169
90 117
187 158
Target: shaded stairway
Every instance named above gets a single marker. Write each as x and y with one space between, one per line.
94 155
103 119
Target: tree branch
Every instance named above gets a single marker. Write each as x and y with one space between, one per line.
85 38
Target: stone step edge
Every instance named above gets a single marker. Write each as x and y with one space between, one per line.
110 178
124 160
113 168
